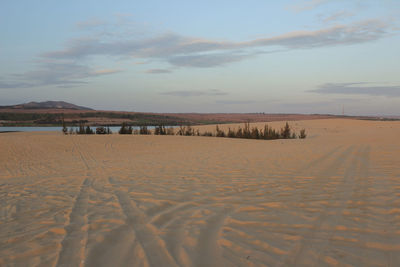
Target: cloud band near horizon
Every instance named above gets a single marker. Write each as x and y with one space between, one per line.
358 89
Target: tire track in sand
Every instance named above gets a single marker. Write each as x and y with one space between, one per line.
302 252
73 246
208 250
153 246
360 164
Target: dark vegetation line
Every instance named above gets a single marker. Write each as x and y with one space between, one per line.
103 118
247 132
74 119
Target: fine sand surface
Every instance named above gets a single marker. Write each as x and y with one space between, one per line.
332 199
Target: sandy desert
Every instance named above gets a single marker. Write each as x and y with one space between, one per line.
332 199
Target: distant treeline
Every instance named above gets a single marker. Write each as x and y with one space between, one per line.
247 132
74 119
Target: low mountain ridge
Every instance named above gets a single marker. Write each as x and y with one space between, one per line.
46 105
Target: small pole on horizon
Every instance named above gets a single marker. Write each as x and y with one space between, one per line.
343 110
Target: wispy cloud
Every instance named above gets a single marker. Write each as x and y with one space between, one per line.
207 60
358 89
306 5
103 72
180 50
192 93
59 74
14 84
339 15
90 23
158 71
235 102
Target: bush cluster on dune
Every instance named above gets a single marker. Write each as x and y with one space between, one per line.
247 132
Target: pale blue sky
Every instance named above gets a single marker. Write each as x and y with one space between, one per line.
303 56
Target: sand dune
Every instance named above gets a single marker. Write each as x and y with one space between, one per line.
332 199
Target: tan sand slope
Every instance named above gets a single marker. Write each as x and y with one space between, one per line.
332 199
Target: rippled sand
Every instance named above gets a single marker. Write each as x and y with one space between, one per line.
332 199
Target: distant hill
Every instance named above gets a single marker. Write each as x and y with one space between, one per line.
46 105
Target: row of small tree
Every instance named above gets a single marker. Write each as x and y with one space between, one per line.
125 129
161 130
81 129
266 133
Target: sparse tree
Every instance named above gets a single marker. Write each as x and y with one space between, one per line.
181 131
124 129
231 133
163 131
219 132
157 130
64 127
255 133
144 130
286 132
88 130
160 130
239 133
81 129
246 130
303 134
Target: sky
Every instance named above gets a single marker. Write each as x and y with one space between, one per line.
300 56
